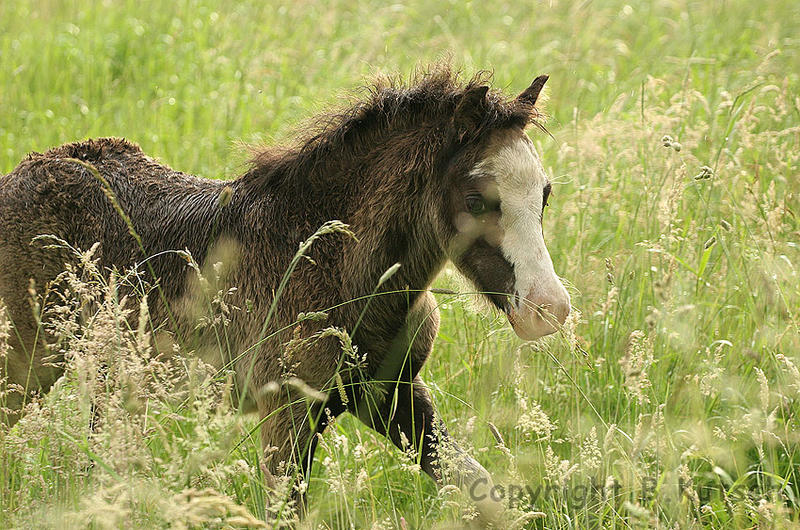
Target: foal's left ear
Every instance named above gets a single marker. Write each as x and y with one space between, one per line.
530 94
470 110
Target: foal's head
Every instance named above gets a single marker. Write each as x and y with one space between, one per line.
498 194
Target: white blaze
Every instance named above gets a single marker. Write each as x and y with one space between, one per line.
521 179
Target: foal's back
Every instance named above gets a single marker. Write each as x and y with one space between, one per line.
53 194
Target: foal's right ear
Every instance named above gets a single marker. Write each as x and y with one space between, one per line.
531 94
470 110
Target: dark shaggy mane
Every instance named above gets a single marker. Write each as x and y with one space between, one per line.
430 96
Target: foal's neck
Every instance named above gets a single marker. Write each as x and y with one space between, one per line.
372 189
402 233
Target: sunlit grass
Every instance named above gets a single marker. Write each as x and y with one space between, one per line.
679 365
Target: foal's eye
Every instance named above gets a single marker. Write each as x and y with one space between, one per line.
475 204
545 195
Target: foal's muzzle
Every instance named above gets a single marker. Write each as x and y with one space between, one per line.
540 314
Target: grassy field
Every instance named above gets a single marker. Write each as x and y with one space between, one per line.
673 396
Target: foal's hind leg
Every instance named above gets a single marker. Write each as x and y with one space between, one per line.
24 369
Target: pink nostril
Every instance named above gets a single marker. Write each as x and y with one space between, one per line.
553 311
562 311
538 315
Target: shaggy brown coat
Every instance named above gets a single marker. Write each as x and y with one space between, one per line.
393 167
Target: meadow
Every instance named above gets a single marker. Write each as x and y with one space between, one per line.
670 399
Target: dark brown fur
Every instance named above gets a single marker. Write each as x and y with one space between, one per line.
392 167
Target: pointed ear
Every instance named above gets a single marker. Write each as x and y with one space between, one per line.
469 111
530 94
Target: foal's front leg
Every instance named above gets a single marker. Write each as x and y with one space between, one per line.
415 421
289 435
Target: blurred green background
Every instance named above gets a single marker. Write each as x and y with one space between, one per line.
684 280
187 79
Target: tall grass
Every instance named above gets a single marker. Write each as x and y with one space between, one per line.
671 398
